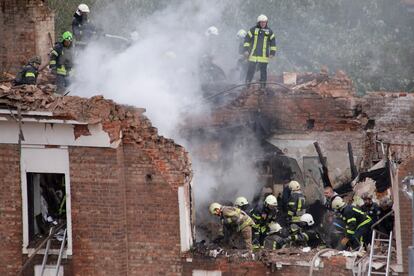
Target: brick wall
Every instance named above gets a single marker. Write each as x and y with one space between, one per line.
333 266
10 210
98 212
125 212
152 215
24 32
405 210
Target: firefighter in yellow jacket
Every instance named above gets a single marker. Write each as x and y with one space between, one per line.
235 217
259 46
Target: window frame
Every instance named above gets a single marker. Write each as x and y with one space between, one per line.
34 159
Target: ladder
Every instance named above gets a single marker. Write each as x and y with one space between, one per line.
373 256
62 245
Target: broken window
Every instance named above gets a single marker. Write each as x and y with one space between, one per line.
46 195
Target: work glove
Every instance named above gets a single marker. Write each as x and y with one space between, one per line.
246 54
271 56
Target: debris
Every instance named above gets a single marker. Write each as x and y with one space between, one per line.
306 249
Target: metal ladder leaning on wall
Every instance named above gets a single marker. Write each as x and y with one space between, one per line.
62 246
374 257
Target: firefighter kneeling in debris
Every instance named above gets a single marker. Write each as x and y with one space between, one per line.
234 217
357 224
306 234
276 237
263 217
28 74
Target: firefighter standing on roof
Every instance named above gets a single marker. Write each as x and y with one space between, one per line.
259 46
82 28
61 61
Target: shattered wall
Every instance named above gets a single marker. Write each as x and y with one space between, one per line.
125 213
26 29
325 109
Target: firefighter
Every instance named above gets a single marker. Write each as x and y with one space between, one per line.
296 203
263 217
329 194
61 61
371 208
333 225
29 73
357 224
276 237
306 235
82 28
242 63
259 46
235 217
242 203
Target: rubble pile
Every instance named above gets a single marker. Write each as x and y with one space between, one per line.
121 122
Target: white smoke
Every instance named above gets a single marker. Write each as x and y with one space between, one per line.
160 72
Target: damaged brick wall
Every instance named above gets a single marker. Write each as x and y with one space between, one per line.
10 210
405 207
334 266
125 214
26 27
325 109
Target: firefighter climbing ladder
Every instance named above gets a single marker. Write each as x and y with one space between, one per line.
374 257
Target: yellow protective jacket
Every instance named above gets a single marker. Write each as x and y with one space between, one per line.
235 217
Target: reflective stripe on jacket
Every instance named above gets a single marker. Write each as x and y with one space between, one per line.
260 43
296 206
59 61
235 216
354 219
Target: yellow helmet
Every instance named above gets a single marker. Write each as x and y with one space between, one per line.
338 203
213 207
240 201
294 185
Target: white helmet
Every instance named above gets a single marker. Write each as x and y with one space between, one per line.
240 201
338 203
83 8
308 219
213 207
241 33
294 185
274 227
271 201
262 18
212 30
